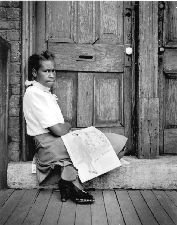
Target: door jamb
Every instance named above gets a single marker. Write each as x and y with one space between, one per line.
28 43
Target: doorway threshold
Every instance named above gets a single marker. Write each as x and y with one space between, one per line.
159 173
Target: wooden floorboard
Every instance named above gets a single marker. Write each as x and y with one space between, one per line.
23 208
129 213
53 210
10 205
167 204
113 211
172 195
156 208
4 195
98 209
111 207
145 215
68 213
83 215
37 210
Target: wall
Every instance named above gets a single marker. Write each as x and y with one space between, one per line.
10 30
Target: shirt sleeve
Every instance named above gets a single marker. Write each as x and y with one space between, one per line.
42 111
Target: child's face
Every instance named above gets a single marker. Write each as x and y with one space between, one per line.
46 73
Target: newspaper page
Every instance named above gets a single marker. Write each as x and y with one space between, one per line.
91 152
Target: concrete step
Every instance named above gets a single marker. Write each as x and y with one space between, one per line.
160 173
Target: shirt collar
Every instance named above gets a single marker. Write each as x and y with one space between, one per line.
40 86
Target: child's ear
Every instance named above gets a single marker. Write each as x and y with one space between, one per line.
34 73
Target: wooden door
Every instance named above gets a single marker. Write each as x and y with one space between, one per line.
94 74
168 76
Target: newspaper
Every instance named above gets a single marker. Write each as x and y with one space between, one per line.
91 153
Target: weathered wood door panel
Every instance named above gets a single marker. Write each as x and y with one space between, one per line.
108 100
66 91
169 78
89 41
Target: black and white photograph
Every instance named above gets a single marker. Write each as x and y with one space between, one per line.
88 112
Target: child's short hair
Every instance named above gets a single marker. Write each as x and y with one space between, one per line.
34 61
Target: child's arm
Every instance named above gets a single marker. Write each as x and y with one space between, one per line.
60 129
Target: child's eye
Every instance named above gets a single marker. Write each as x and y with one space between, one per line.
49 71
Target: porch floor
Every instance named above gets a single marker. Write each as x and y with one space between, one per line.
111 207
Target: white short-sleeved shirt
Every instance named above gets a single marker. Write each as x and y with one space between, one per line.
41 109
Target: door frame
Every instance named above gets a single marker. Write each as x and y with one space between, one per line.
148 93
28 46
4 108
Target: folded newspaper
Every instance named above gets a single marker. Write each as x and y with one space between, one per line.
91 152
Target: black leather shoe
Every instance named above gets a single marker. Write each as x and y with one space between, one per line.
69 190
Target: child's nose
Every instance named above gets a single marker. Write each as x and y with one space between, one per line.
51 73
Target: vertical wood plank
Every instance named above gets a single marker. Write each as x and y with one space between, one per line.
74 21
40 27
148 143
127 109
98 210
161 106
38 208
4 102
59 20
108 17
68 213
86 22
170 144
28 35
148 106
167 73
159 213
172 21
32 27
48 19
128 210
22 209
142 209
170 102
113 211
120 23
148 49
128 76
165 24
83 215
127 23
167 204
4 195
24 70
172 195
53 210
85 100
108 102
29 45
66 91
10 205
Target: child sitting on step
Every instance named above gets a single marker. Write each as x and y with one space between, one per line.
46 124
